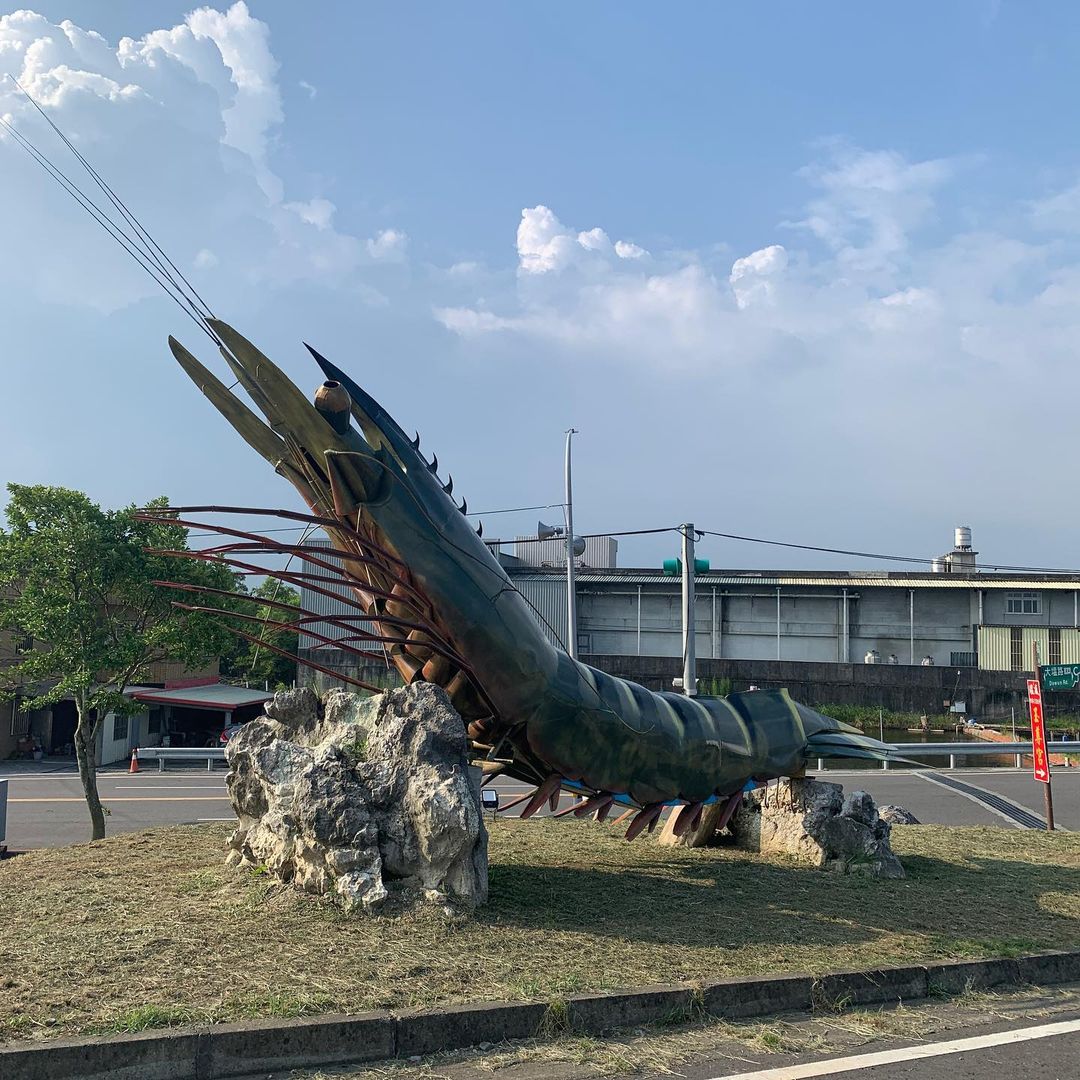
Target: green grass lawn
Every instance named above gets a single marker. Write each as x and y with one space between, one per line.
152 929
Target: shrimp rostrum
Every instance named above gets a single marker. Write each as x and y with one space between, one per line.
424 590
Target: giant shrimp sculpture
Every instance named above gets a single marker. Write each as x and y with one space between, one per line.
427 592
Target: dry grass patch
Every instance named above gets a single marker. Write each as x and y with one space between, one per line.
151 929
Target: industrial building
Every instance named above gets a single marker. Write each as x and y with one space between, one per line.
954 616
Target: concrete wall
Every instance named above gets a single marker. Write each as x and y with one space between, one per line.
338 660
881 620
112 750
740 623
1059 608
902 688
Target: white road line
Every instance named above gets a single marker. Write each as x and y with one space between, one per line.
908 1053
72 778
978 802
185 787
127 798
1004 798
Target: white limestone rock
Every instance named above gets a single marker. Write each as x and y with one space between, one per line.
360 797
817 824
898 815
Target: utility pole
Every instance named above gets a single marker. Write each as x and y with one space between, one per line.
689 680
571 588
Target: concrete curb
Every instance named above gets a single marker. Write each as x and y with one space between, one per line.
233 1050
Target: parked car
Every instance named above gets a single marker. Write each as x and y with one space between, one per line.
229 732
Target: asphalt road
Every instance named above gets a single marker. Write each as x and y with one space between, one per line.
1049 1050
46 809
1006 1035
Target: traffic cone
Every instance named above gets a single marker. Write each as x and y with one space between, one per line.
134 760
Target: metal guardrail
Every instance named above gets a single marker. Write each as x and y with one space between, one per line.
162 754
972 749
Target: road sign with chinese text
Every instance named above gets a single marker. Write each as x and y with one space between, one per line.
1059 676
1038 732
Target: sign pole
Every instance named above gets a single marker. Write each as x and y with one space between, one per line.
1038 738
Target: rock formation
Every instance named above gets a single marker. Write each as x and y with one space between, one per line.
818 824
360 797
898 815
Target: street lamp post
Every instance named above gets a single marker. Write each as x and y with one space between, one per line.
571 589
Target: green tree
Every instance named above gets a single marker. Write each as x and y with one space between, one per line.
245 661
78 581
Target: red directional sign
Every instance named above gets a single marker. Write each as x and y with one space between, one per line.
1038 732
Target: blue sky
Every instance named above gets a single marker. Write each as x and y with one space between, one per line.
809 272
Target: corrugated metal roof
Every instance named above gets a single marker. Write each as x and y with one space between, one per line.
218 696
832 580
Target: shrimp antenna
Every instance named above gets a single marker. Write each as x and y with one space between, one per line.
128 231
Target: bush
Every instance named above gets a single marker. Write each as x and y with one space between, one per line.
865 717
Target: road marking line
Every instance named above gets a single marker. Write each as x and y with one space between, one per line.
971 798
132 798
1021 812
933 778
907 1053
216 819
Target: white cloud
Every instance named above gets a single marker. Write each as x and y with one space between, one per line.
205 259
751 276
545 244
870 202
231 51
594 240
317 212
312 91
911 298
182 122
388 245
868 285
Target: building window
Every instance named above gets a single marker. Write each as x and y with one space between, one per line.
20 721
1016 648
1023 603
1055 645
153 722
119 728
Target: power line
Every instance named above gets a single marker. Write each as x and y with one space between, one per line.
730 536
814 547
886 558
512 510
479 513
591 536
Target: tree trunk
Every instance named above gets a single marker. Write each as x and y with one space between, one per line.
86 754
